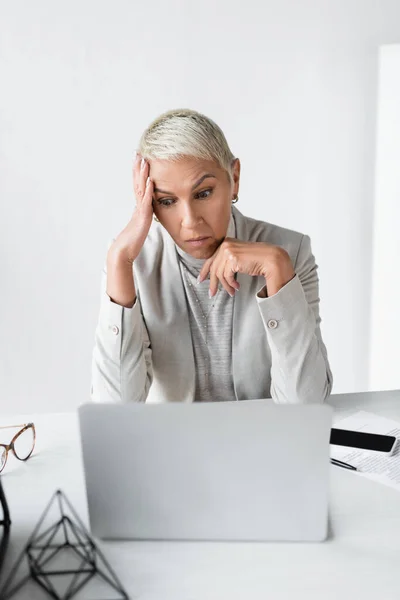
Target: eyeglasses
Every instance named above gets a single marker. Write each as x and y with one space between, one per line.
21 445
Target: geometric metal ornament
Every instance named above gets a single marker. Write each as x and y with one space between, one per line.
62 558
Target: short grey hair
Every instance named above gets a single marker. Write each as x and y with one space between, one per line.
182 133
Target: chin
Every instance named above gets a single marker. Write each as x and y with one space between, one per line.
202 252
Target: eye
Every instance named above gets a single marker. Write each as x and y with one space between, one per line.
166 201
204 194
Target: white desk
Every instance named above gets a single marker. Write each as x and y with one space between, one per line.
360 560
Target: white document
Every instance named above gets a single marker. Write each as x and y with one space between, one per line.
373 465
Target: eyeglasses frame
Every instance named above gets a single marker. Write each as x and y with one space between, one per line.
10 447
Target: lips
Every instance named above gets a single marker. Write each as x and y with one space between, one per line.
198 239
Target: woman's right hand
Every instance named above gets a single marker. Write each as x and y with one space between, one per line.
131 239
126 247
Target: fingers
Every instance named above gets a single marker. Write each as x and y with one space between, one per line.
224 281
228 288
218 273
211 266
213 284
220 267
148 193
136 175
205 269
140 174
229 275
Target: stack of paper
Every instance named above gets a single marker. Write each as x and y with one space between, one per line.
373 465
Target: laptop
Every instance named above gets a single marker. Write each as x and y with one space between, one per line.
249 470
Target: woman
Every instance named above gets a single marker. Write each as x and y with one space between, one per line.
202 303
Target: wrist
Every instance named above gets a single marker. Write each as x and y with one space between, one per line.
274 284
118 256
279 273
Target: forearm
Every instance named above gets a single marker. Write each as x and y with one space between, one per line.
121 362
300 371
120 283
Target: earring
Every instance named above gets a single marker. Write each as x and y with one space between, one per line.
155 218
235 199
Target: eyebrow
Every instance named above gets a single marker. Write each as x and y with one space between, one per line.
206 176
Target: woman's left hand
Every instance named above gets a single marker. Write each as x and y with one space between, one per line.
257 259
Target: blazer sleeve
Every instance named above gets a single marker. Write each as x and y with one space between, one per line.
300 371
121 361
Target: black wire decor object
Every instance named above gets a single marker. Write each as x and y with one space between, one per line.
5 524
65 541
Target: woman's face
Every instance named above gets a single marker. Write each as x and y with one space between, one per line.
192 200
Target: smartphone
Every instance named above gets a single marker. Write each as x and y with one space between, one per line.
363 440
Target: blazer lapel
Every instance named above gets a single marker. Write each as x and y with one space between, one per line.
165 312
179 324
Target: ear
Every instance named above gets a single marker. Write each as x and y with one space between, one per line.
236 175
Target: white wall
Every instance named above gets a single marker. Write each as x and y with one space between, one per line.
385 313
293 84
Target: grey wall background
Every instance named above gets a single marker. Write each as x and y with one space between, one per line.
294 86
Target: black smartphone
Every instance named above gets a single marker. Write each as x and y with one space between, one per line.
363 440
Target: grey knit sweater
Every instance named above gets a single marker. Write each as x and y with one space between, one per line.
211 336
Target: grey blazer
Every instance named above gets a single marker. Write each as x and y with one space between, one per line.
145 353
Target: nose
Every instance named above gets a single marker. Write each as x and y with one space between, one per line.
189 216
